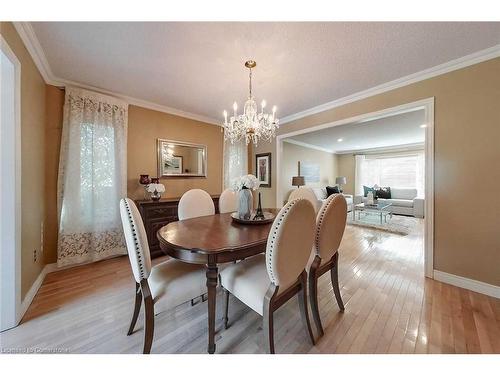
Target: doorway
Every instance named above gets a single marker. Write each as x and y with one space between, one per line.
425 105
10 185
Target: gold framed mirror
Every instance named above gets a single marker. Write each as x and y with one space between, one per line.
181 159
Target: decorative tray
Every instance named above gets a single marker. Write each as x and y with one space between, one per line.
268 218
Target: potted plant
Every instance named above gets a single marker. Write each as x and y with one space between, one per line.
156 190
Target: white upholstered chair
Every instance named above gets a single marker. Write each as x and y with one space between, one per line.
161 287
266 281
305 193
228 201
330 226
195 203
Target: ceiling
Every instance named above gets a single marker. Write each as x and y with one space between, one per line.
397 130
198 67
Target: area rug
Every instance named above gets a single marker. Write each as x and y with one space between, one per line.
399 224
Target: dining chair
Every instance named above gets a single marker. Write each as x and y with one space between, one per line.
228 201
161 287
305 193
265 282
195 203
330 226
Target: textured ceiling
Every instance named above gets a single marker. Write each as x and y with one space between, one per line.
397 130
198 67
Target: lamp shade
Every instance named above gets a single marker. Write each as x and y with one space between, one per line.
298 181
341 181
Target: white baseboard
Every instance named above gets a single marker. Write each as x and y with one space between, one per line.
463 282
28 298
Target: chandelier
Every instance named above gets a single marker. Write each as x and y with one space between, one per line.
252 125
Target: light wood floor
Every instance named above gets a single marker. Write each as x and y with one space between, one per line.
390 308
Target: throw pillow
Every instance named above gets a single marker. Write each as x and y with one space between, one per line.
367 189
383 192
332 190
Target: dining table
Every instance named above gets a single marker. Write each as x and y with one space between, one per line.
213 240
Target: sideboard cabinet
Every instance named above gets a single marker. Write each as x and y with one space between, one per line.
158 214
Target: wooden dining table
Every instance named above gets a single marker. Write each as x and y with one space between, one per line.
213 240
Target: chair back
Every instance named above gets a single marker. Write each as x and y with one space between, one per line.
228 201
137 241
330 226
195 203
290 241
305 193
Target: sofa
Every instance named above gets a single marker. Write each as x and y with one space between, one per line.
321 195
404 202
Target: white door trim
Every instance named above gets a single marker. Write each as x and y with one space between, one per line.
428 106
11 311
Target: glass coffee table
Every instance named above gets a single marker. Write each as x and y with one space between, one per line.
381 209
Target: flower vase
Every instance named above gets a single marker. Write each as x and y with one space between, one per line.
245 204
155 196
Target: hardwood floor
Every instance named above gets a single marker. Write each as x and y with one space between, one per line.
389 308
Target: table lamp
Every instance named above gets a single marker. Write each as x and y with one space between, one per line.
298 180
340 181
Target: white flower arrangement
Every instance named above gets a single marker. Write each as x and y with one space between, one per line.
245 182
159 188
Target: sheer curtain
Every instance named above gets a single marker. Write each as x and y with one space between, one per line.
235 161
401 170
92 177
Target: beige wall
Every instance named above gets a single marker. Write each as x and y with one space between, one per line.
54 98
467 130
145 126
347 166
32 158
293 153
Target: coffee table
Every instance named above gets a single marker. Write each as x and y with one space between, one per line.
380 209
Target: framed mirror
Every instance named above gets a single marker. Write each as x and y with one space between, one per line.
181 159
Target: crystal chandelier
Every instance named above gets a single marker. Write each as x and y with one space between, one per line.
251 125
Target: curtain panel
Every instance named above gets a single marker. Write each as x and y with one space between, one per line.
92 177
235 161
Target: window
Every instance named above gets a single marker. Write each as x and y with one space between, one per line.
402 170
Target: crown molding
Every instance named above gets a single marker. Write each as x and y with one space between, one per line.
141 103
308 145
398 148
30 40
35 49
462 62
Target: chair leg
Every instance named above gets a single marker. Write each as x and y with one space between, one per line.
302 295
334 273
268 319
226 308
268 327
149 317
313 296
137 308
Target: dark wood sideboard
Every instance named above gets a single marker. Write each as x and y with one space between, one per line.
157 214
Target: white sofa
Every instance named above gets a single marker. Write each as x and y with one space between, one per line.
404 202
320 193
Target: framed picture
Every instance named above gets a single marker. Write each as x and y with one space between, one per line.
311 172
173 164
263 169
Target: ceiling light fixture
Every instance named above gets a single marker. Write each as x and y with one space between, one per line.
340 140
251 125
423 126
